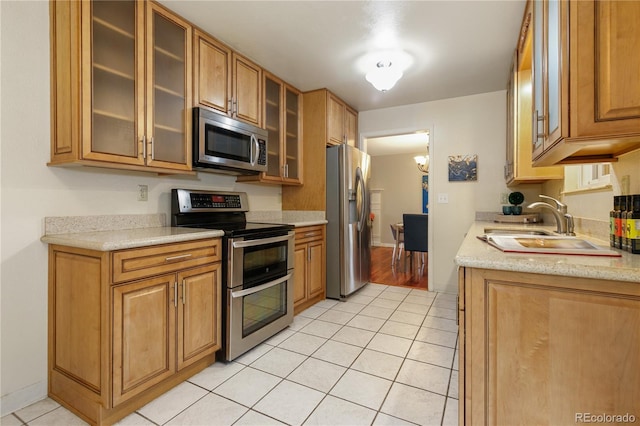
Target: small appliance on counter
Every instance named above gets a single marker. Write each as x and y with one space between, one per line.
257 265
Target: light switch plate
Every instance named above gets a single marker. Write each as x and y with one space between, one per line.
443 198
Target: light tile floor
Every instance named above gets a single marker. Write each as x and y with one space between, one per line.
387 356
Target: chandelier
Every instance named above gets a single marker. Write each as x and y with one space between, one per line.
423 162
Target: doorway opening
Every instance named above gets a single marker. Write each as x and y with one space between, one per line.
399 184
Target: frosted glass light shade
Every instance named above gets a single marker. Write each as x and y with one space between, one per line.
384 76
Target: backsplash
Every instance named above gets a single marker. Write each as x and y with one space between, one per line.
74 224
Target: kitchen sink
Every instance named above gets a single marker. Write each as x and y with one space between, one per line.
543 242
517 231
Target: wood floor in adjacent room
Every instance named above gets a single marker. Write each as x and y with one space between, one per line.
383 273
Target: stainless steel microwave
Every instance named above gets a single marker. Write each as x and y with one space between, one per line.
224 144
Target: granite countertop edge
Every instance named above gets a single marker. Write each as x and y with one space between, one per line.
478 254
130 238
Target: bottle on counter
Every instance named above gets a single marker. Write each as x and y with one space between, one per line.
633 224
624 232
621 220
612 221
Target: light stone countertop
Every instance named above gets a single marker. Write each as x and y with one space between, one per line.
117 232
478 254
130 238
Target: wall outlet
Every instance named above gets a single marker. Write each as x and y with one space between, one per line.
443 198
625 185
504 198
143 192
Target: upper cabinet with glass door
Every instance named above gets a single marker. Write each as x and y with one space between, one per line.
586 91
518 168
121 97
283 121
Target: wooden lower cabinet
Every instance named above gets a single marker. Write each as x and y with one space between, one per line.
547 350
115 346
310 264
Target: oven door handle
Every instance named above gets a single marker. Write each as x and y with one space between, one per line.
261 241
242 293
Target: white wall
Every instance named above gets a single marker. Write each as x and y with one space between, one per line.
31 191
467 125
401 184
595 205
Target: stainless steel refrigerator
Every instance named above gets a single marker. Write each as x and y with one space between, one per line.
349 227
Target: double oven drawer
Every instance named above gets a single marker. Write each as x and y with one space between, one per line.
144 262
259 296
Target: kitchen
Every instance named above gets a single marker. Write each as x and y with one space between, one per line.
43 191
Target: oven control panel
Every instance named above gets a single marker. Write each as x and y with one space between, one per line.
196 200
215 201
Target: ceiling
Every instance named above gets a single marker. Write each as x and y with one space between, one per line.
457 48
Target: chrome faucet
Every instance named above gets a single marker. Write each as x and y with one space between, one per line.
564 221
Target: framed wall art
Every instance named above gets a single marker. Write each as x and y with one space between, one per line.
463 168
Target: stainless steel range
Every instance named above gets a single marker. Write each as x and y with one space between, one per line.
257 266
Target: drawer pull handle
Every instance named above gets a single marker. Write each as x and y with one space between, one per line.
310 234
182 256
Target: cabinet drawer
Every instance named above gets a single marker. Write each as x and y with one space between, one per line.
148 261
309 233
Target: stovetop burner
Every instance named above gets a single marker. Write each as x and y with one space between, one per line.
218 210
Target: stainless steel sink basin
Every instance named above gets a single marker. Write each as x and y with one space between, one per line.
517 231
543 242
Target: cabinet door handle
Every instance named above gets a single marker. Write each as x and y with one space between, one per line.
309 254
152 149
172 258
175 294
536 126
144 146
286 170
184 292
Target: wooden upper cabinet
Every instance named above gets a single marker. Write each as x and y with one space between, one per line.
351 125
283 121
168 85
342 122
585 84
225 81
247 90
121 86
607 59
212 77
336 120
518 166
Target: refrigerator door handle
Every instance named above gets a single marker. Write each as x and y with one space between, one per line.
362 194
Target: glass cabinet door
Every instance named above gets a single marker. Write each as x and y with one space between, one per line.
537 124
273 124
553 130
292 136
113 66
168 91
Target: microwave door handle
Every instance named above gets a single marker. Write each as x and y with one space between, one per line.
242 293
255 150
261 241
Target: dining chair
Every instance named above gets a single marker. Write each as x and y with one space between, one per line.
398 246
416 231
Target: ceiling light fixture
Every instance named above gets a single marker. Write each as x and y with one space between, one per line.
383 77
